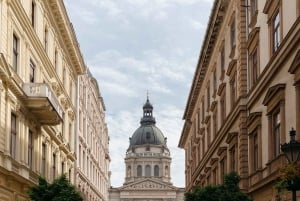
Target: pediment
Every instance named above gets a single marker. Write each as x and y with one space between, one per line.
148 184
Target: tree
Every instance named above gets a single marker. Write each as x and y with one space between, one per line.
229 191
59 190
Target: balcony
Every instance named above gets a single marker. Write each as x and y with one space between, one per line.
42 102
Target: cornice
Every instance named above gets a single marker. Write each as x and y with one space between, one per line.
215 22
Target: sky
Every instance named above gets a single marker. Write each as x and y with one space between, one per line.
135 46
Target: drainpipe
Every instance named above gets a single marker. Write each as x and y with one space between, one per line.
247 33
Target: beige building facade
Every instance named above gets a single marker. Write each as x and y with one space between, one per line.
92 169
40 62
245 96
148 165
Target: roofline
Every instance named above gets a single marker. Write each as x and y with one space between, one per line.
212 31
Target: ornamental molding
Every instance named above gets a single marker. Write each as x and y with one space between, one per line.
148 184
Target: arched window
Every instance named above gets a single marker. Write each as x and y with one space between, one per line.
156 171
148 171
139 170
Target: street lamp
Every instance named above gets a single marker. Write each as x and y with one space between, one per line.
292 153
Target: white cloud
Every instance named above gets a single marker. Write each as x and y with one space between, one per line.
132 46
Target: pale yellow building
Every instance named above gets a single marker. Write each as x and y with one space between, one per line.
40 61
245 95
92 169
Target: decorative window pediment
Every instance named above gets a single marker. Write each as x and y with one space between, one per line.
274 95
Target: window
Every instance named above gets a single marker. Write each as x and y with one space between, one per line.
253 7
222 61
255 144
254 67
223 107
255 151
232 34
13 136
31 72
233 159
275 102
55 59
276 133
33 10
139 170
147 171
71 89
30 149
64 76
62 167
215 81
53 165
208 133
233 88
46 39
156 171
214 176
44 159
15 60
203 110
223 169
70 134
79 157
276 31
215 121
208 97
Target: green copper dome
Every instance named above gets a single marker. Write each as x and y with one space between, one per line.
147 133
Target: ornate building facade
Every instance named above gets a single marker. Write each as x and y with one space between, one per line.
148 164
245 95
40 62
92 169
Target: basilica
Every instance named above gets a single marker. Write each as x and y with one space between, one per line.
148 163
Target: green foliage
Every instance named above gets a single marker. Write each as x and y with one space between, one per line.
59 190
229 191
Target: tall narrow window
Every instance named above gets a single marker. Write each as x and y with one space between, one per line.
46 39
255 151
223 107
253 7
208 133
203 110
70 134
31 72
15 60
55 59
233 88
156 171
223 168
13 136
64 76
139 170
232 34
54 165
208 97
276 133
62 167
233 159
33 10
148 171
44 159
30 149
215 122
254 67
223 60
276 31
215 81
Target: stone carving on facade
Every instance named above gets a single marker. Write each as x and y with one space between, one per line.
147 185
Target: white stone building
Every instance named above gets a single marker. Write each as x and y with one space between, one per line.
92 175
148 163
